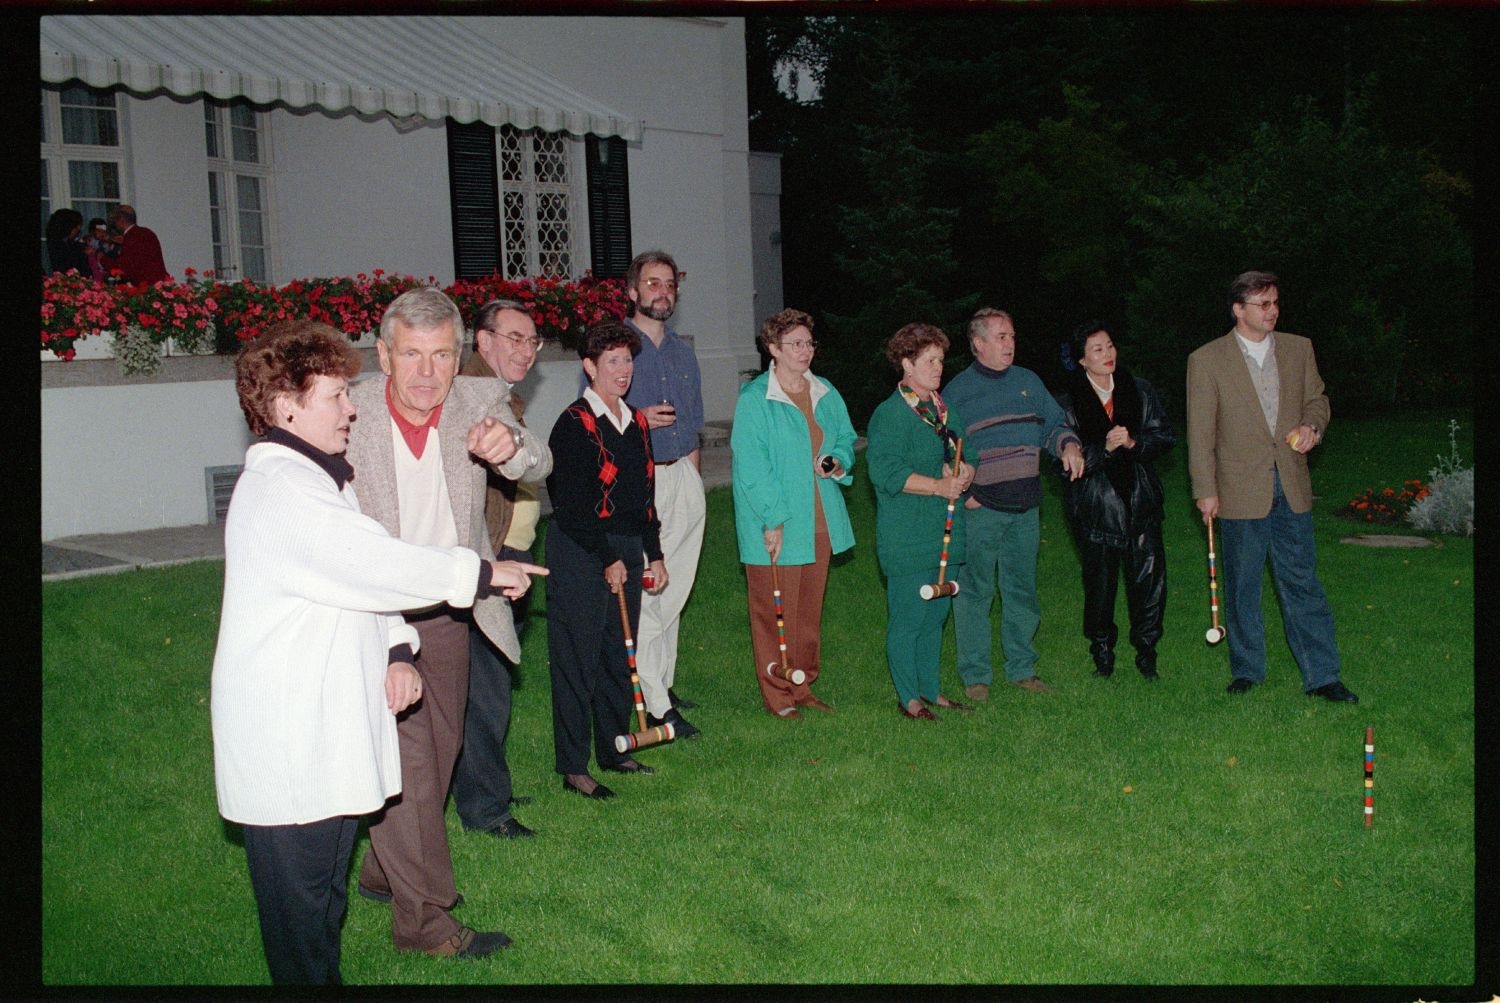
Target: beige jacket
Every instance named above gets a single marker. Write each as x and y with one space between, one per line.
1230 452
371 454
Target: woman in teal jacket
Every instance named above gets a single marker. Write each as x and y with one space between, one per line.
913 436
793 445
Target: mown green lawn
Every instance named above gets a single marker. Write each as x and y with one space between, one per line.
1114 832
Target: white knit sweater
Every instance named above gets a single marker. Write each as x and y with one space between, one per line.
300 723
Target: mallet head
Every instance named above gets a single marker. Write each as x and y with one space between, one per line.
934 590
1214 635
794 676
641 739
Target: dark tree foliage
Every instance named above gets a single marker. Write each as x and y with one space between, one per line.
1125 166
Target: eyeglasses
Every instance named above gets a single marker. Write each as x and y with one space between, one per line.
798 346
1263 304
532 342
657 284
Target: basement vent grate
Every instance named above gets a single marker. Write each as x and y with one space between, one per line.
220 482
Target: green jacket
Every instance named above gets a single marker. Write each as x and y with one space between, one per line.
773 470
909 528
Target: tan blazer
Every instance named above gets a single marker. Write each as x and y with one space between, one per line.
1230 452
500 495
371 452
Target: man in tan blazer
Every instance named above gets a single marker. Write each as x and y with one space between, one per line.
1256 407
420 448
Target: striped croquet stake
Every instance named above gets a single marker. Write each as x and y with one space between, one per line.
1369 776
1214 634
943 588
780 670
644 736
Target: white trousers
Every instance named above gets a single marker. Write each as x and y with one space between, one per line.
681 508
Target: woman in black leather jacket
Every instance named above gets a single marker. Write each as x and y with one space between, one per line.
1115 508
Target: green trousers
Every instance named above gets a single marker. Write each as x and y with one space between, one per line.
914 634
1003 546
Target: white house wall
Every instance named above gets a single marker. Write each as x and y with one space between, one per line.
351 193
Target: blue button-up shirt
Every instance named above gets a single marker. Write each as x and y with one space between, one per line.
667 373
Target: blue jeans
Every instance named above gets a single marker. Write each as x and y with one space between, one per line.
1287 539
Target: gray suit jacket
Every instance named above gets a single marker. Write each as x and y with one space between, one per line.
371 452
1230 452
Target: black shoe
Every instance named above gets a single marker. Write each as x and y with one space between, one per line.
375 896
1149 674
680 726
1103 673
677 701
511 828
599 793
1335 691
470 943
631 766
1239 685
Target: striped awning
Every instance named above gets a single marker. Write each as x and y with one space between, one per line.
431 67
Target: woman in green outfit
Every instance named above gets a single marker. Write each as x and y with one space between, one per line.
793 448
913 437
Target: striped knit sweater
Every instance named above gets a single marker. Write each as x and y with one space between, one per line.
1010 418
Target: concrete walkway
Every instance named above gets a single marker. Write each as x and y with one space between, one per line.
104 553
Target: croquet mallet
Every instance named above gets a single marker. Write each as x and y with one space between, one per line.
944 588
780 670
1214 634
645 736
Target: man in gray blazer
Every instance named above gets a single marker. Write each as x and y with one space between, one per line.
1256 407
420 448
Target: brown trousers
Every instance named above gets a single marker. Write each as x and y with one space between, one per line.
408 855
802 588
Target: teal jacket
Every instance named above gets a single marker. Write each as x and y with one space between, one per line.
773 470
909 528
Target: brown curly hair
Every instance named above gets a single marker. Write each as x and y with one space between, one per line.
912 340
776 326
285 360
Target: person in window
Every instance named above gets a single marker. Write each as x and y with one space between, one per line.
100 249
1115 508
140 260
914 440
604 518
312 664
793 446
64 249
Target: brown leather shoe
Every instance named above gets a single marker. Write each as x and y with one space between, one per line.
470 943
1034 684
817 704
920 714
977 692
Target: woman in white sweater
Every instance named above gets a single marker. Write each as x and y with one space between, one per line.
313 664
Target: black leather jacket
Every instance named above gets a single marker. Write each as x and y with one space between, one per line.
1119 495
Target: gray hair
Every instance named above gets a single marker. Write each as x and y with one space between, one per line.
423 308
979 323
484 319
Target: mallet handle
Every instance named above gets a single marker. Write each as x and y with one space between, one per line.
635 679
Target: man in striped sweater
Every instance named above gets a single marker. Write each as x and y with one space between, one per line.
1010 419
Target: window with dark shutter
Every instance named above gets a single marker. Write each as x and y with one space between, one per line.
474 194
609 206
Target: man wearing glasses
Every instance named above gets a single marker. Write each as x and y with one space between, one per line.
1255 409
667 387
505 349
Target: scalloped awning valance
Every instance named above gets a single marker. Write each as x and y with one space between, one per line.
430 67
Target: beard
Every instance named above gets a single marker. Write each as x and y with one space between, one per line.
657 312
